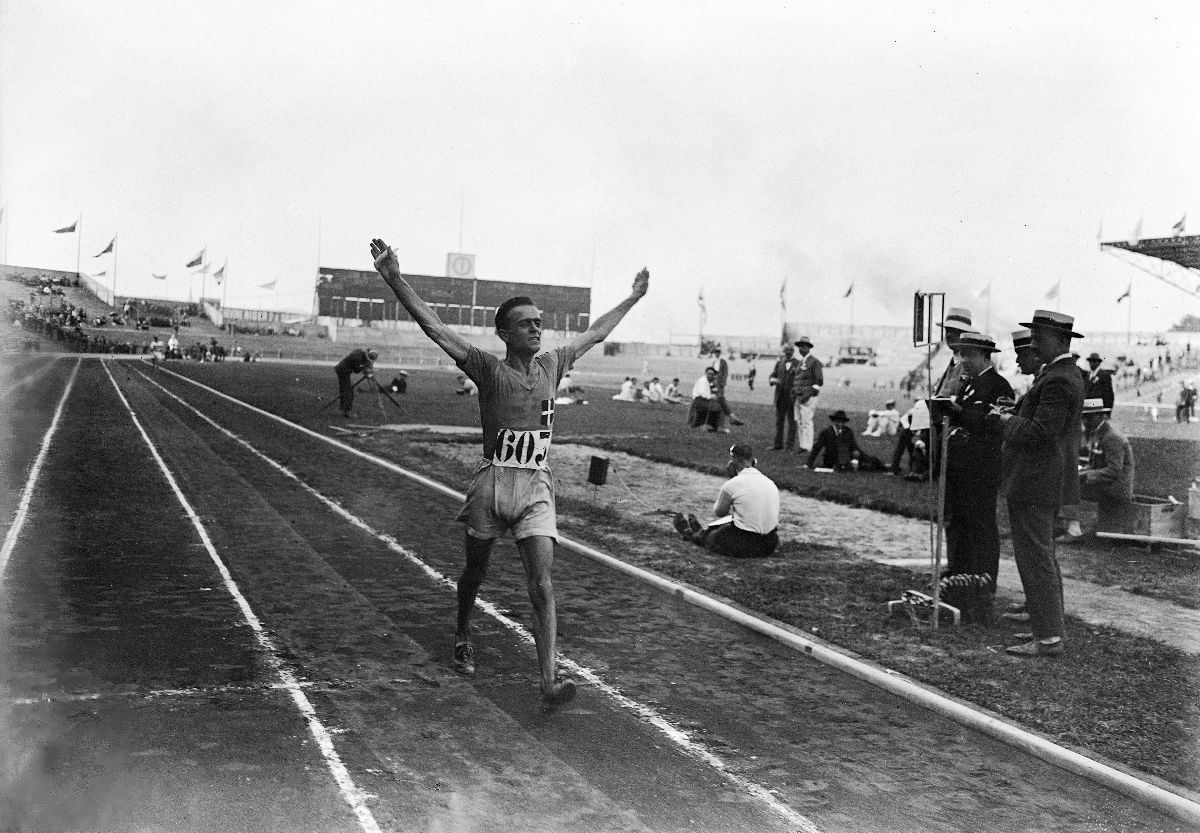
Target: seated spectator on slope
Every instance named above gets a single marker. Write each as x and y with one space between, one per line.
883 422
466 387
671 394
1108 476
629 391
836 445
653 391
913 438
705 409
1185 404
746 510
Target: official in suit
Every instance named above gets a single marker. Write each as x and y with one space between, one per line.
836 445
782 377
1098 382
1037 438
810 378
1108 477
973 474
957 322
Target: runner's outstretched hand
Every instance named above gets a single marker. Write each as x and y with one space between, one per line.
641 283
386 262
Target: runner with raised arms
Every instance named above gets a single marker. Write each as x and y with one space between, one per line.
512 488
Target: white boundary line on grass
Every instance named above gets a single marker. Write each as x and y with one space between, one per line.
355 797
1152 795
14 530
644 713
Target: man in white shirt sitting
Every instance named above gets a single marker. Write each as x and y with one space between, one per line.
746 510
705 409
886 421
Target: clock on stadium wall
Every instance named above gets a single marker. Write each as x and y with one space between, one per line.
460 266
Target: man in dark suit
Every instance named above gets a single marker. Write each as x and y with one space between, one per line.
837 444
1098 382
356 361
782 377
1037 439
957 322
973 476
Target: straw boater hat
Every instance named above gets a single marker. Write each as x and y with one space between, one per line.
977 340
839 416
1022 338
805 340
1050 320
1095 406
958 318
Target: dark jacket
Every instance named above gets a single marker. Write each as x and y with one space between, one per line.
1099 386
356 362
782 378
1043 433
838 444
809 378
974 441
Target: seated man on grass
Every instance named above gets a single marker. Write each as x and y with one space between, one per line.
747 512
1108 477
705 410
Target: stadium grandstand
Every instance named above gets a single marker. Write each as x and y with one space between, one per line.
1173 260
358 295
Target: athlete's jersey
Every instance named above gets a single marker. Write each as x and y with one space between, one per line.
517 410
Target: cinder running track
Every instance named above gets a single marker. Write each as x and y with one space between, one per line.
257 639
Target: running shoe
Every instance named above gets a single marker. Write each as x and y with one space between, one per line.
681 525
694 523
464 655
560 694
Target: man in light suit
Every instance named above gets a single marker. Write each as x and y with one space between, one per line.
809 380
1037 438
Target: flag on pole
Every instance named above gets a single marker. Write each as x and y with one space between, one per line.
703 309
197 260
986 292
1178 227
219 275
1052 293
783 295
1137 233
66 229
1126 293
107 248
100 274
267 285
2 207
849 290
162 277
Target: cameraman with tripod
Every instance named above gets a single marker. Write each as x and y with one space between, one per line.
358 361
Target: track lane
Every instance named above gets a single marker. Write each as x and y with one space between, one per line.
862 763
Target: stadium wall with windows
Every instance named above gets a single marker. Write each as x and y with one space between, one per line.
363 295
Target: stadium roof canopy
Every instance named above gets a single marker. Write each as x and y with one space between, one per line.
1184 251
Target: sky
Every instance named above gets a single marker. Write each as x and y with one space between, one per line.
980 149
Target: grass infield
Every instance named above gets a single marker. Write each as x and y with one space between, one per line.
1130 699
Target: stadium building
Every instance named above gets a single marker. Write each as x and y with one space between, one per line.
353 295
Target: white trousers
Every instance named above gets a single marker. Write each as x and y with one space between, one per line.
804 422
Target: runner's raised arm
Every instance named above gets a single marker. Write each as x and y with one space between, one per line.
443 336
606 323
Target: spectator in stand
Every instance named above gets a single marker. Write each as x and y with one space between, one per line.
783 376
746 510
886 421
1108 477
671 394
806 388
466 387
1185 404
836 444
705 410
750 376
1098 382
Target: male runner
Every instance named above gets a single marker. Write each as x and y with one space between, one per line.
511 488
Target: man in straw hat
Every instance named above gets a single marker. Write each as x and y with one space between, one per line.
973 477
806 387
1108 477
511 488
957 322
1037 439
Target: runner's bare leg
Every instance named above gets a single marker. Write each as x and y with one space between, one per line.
537 554
479 550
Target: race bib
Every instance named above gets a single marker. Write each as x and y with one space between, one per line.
521 449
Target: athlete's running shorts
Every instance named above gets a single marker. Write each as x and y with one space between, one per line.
502 499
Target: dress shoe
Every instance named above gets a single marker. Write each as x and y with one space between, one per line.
1036 648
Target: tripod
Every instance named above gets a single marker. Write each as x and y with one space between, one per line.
380 392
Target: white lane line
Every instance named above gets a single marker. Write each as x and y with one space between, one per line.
646 714
14 530
1152 795
355 797
152 694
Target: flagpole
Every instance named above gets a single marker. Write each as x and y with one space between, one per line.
78 243
987 316
114 280
1129 318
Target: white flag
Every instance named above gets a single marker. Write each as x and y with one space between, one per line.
267 285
